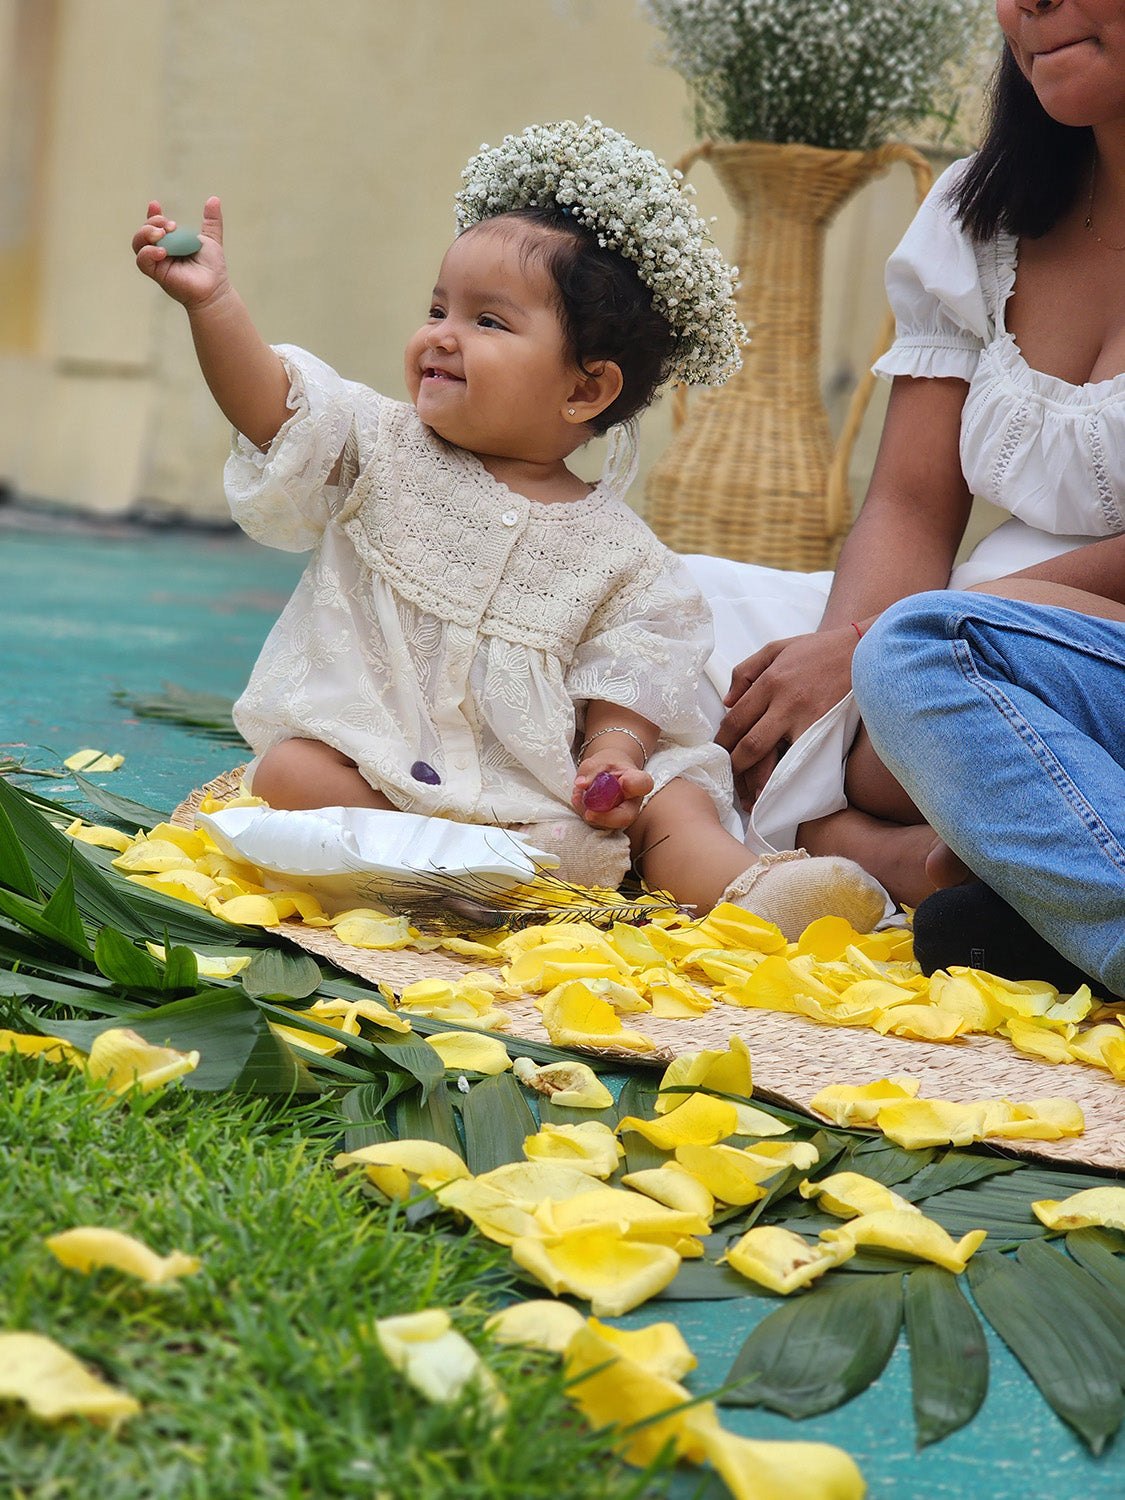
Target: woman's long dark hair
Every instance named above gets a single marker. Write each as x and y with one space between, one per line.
1029 168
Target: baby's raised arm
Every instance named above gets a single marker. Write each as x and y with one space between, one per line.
244 375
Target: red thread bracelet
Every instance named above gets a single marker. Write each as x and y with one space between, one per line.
857 630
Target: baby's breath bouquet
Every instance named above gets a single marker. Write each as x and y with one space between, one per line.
842 74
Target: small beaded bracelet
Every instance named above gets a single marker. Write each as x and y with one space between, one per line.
613 729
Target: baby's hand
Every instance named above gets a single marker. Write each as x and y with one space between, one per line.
595 779
192 280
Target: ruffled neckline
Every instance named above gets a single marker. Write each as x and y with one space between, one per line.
1010 357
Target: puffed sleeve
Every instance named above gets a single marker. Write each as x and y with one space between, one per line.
934 287
646 651
279 497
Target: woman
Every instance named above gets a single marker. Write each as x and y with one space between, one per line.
1009 382
1005 720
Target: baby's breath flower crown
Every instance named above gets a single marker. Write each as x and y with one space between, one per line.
633 204
843 75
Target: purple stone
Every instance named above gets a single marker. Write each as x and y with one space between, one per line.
603 793
423 772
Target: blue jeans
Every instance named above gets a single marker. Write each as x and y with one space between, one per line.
1005 722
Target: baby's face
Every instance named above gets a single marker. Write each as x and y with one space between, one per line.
489 369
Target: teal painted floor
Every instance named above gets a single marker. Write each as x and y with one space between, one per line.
85 611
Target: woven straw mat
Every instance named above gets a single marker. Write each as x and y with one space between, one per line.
793 1058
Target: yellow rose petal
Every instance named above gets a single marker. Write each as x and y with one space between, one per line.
674 1186
618 1210
494 1213
781 1260
371 930
728 1174
849 1193
88 761
152 857
915 1123
99 836
53 1384
541 1323
726 1072
1103 1206
575 1017
909 1234
88 1248
615 1392
394 1166
612 1273
859 1104
435 1359
121 1058
572 1084
756 1470
470 1052
48 1047
590 1146
699 1120
660 1348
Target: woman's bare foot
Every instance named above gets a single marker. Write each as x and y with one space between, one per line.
943 868
907 859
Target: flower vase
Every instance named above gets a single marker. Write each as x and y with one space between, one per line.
751 473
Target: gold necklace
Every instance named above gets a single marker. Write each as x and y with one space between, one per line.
1117 249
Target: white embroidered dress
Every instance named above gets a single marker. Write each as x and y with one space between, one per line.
1049 453
445 619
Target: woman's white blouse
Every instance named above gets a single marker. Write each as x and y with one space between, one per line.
444 618
1050 453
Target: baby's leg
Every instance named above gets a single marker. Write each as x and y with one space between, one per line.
681 847
308 773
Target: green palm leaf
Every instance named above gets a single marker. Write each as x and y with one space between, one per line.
948 1353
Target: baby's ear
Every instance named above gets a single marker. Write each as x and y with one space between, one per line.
593 391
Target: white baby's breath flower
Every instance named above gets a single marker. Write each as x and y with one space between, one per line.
842 76
629 200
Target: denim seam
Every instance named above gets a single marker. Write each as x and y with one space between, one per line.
963 655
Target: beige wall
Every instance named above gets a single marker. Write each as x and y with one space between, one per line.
335 135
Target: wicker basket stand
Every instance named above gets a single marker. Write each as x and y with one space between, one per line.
751 474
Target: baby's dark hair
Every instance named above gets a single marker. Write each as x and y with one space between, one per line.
606 309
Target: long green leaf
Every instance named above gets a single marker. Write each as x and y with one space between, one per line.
15 872
104 897
1102 1309
124 809
1072 1375
497 1121
820 1350
280 973
361 1108
124 964
1098 1250
181 970
33 918
948 1353
953 1170
430 1119
703 1281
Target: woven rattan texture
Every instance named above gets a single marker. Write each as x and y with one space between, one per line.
751 475
793 1059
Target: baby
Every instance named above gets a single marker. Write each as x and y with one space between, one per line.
480 634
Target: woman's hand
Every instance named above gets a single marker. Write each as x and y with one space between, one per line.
775 695
192 280
634 785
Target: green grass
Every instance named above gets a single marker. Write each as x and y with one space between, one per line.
260 1376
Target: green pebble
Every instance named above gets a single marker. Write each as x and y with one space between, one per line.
180 242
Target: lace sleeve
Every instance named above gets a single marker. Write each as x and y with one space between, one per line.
647 653
280 496
934 286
